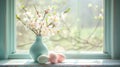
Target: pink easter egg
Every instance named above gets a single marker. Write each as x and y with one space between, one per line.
60 58
53 58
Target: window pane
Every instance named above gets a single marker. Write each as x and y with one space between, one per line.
81 29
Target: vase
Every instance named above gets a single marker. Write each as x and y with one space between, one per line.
38 48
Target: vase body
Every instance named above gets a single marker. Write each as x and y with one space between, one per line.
38 48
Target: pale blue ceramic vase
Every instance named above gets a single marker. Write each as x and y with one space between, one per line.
38 48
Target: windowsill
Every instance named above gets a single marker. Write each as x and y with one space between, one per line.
66 63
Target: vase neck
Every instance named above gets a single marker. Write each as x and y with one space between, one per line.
38 38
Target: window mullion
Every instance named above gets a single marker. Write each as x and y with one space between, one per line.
108 28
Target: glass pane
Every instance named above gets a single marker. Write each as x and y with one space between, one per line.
81 29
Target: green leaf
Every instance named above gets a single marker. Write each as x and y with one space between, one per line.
54 7
54 13
17 17
67 10
22 6
46 20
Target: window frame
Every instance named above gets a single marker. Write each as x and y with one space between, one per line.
11 38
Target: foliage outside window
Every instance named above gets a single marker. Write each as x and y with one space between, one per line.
82 29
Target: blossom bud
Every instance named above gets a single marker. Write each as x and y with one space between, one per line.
46 11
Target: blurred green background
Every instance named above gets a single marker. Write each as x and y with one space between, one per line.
82 29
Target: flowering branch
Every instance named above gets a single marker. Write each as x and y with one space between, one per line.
41 25
24 23
37 11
